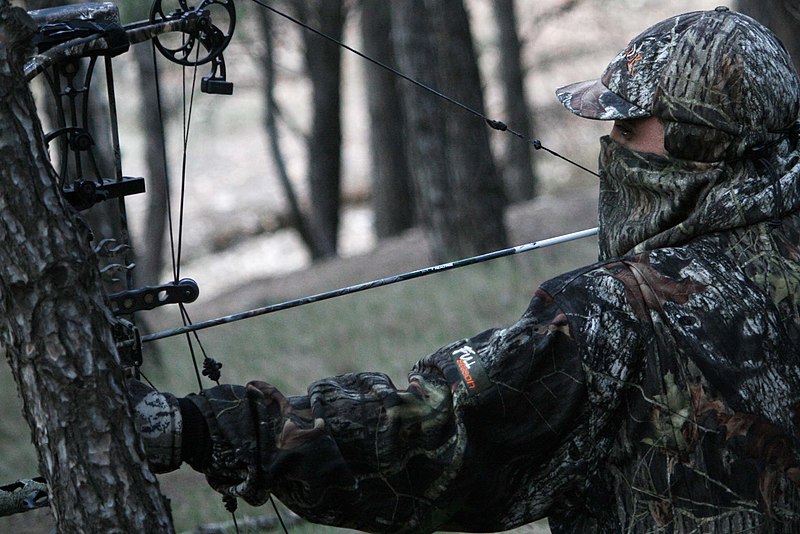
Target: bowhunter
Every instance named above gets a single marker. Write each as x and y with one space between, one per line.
657 390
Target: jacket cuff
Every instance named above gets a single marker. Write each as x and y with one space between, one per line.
196 440
158 419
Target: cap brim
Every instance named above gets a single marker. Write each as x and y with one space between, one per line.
593 100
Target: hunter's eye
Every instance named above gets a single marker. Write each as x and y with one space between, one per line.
623 129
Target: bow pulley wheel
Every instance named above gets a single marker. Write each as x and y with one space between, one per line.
207 30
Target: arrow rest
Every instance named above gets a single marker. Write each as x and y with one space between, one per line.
129 343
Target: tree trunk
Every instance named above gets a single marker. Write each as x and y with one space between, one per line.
392 199
424 116
459 191
518 176
782 17
323 60
150 252
55 331
478 188
296 217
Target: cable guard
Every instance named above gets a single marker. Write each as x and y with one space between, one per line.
149 297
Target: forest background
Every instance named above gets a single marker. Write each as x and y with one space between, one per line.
240 245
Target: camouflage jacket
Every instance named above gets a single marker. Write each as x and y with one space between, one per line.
656 392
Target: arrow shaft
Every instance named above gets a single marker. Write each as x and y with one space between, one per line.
370 285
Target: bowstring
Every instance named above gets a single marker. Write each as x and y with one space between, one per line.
175 253
493 123
187 121
228 501
175 249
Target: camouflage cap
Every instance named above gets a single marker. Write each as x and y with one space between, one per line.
715 69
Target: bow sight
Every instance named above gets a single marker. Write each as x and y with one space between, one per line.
68 44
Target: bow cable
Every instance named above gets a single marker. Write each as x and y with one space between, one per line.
211 368
188 327
495 124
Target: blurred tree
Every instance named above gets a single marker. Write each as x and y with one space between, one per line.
323 62
782 17
424 117
479 192
150 252
460 193
392 198
153 112
296 217
56 330
518 175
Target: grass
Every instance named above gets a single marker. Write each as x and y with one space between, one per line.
385 329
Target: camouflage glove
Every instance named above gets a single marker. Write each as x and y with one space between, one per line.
240 423
158 419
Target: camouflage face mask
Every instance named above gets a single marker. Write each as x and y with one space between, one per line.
645 196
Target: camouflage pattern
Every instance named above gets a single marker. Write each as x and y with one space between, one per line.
656 391
158 419
659 392
710 75
648 201
698 359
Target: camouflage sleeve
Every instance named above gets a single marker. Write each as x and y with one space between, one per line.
483 437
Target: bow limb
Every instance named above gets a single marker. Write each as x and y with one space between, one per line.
80 47
111 38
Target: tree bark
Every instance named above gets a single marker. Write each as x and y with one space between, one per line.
518 175
392 198
478 189
460 194
55 330
323 60
424 116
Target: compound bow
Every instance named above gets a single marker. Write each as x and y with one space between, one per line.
69 42
67 47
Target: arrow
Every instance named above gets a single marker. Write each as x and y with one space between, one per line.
370 285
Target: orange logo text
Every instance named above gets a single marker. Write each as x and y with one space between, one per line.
466 359
632 57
